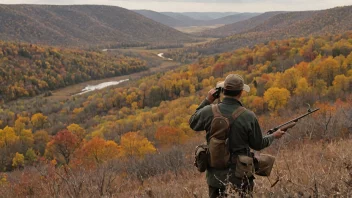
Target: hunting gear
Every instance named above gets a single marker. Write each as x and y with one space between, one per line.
231 131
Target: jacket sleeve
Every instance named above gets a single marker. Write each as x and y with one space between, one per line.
256 139
199 119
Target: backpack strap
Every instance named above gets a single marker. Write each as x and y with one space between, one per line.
216 110
235 115
238 112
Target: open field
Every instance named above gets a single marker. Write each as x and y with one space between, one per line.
196 29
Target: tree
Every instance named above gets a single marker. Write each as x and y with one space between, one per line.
170 135
41 138
63 145
302 87
38 120
327 70
30 156
98 150
77 130
276 98
18 160
8 137
134 144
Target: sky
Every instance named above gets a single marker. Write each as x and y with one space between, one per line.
201 5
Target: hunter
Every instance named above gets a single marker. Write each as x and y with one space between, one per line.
244 131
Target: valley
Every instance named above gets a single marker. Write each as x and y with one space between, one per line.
96 101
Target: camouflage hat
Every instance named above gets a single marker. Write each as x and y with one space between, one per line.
234 82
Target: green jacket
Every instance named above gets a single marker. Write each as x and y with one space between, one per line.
245 131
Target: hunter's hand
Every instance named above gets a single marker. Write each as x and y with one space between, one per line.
210 96
278 134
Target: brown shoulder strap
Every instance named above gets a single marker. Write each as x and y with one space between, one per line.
216 110
238 112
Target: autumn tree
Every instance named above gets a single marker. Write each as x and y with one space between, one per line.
98 150
170 135
134 144
41 138
8 137
63 145
77 130
39 120
18 160
276 98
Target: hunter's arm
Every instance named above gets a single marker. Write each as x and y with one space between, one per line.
256 139
198 120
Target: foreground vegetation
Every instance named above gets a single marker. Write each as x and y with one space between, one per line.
92 144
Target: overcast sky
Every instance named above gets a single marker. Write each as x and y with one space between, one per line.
202 5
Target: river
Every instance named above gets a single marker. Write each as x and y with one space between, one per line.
103 85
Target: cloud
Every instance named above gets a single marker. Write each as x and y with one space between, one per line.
202 5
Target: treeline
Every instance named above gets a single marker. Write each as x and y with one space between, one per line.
153 113
29 70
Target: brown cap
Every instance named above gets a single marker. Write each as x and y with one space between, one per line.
234 82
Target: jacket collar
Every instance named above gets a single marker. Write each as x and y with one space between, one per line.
231 101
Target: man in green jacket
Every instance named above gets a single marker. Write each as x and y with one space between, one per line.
245 134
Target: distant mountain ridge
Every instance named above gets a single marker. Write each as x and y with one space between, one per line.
208 15
174 19
240 26
82 25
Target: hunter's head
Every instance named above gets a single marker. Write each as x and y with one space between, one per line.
233 86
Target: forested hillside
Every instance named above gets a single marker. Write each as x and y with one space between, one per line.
241 26
281 26
83 26
136 125
27 70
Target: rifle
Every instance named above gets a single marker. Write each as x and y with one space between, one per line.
291 123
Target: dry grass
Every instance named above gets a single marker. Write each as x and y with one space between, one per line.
302 169
318 169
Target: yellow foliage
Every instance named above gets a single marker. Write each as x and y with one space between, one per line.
26 137
18 160
8 137
38 120
77 130
77 110
134 144
98 150
302 87
276 98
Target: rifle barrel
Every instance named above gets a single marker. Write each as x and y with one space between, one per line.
293 120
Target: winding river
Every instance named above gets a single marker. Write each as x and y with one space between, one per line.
103 85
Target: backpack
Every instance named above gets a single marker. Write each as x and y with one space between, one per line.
219 145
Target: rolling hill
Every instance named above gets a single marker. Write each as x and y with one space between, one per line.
82 26
281 26
231 18
240 26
